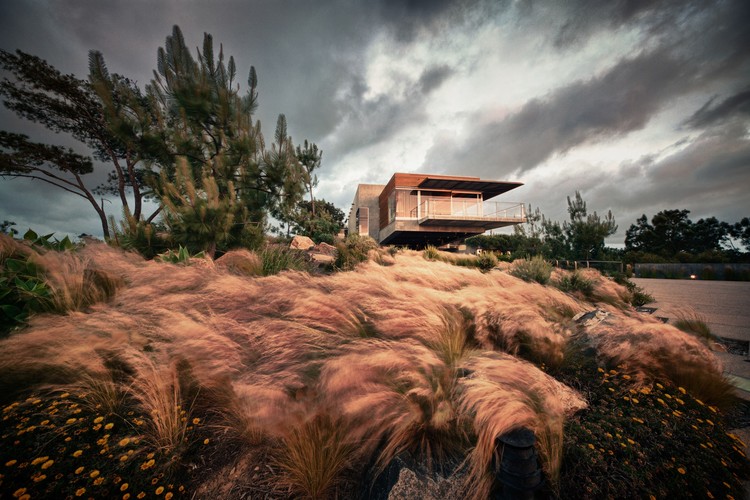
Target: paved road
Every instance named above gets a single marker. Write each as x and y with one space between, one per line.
724 304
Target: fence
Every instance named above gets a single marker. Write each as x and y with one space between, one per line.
728 272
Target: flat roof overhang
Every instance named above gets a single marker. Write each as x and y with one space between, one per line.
483 223
489 189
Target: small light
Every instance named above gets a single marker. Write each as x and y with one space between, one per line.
692 276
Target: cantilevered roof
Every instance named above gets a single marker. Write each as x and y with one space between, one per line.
488 188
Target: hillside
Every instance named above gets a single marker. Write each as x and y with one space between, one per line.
198 380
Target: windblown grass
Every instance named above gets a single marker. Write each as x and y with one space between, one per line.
298 382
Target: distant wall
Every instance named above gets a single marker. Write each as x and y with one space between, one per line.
729 272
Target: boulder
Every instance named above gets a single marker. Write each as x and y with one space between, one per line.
301 243
320 258
325 249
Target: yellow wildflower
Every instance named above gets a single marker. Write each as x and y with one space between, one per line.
99 480
94 473
39 460
160 490
71 421
80 492
682 390
64 395
98 420
124 487
141 495
126 496
124 458
709 422
77 453
631 441
591 446
124 441
626 377
79 470
19 492
634 400
205 441
196 421
47 464
727 485
709 494
168 496
40 477
681 470
109 426
10 463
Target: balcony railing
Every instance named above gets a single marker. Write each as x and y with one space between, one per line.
445 208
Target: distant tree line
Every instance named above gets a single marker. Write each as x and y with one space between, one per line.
670 237
188 141
580 237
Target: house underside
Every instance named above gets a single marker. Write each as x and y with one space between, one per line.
417 210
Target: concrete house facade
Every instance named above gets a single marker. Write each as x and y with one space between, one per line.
422 209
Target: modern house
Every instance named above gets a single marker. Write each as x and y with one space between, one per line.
422 209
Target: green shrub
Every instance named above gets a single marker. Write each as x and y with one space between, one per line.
534 269
277 258
23 292
486 262
638 296
575 282
352 251
180 256
431 253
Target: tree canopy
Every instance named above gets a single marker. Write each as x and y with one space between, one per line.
188 141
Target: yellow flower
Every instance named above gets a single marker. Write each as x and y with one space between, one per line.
634 400
160 490
77 453
71 421
679 401
591 446
682 390
40 477
39 460
126 496
709 494
25 497
94 473
124 458
47 464
205 441
98 420
168 496
98 481
141 495
124 487
109 426
64 395
124 441
626 377
10 463
19 492
631 441
79 470
80 492
44 422
727 484
709 422
651 497
196 421
681 470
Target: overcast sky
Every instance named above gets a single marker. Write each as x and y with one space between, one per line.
640 105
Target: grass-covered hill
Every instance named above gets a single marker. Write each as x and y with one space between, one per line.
208 380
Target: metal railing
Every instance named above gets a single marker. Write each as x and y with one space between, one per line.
462 208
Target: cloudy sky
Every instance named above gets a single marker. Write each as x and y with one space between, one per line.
640 105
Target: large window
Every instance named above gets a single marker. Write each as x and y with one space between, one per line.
363 220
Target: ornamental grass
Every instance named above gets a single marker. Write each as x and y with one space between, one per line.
203 381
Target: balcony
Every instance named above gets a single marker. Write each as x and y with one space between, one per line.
467 212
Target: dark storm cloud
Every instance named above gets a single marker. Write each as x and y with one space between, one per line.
613 104
736 106
371 120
